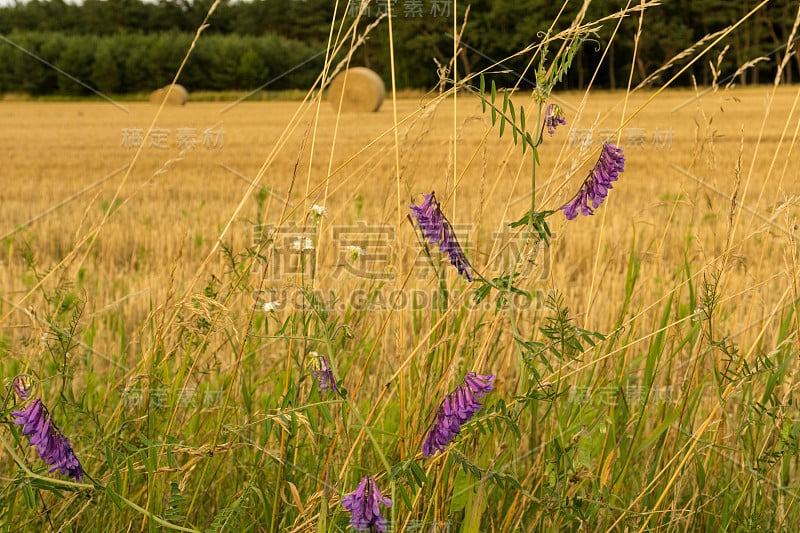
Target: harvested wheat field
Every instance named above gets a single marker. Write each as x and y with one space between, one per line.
208 264
682 168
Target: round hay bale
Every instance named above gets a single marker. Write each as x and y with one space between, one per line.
359 89
177 96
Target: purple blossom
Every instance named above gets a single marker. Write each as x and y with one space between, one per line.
595 187
363 506
458 407
50 442
553 116
22 385
324 373
437 230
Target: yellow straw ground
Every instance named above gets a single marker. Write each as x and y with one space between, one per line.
674 196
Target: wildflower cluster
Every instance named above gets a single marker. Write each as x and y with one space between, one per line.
437 230
354 252
22 385
321 368
596 186
553 116
458 407
318 212
50 442
363 506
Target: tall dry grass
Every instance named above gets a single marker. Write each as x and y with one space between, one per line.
682 418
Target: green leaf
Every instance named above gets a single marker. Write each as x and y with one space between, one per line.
537 221
494 109
503 118
481 293
113 468
326 413
404 496
419 474
513 122
114 498
483 93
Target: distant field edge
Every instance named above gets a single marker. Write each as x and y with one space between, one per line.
194 96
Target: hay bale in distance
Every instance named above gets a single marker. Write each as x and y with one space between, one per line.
364 91
177 96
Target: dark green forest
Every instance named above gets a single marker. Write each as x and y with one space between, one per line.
124 46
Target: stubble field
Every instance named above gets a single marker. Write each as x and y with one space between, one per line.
132 291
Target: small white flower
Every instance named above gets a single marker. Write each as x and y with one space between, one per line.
699 313
270 306
354 252
302 244
319 211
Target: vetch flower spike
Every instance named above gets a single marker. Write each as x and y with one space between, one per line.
596 186
437 230
50 442
365 514
22 385
456 409
322 370
553 116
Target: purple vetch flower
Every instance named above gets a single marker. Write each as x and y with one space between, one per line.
458 407
595 187
323 372
437 230
22 385
50 442
553 116
363 506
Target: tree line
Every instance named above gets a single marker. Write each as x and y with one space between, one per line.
136 62
124 46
